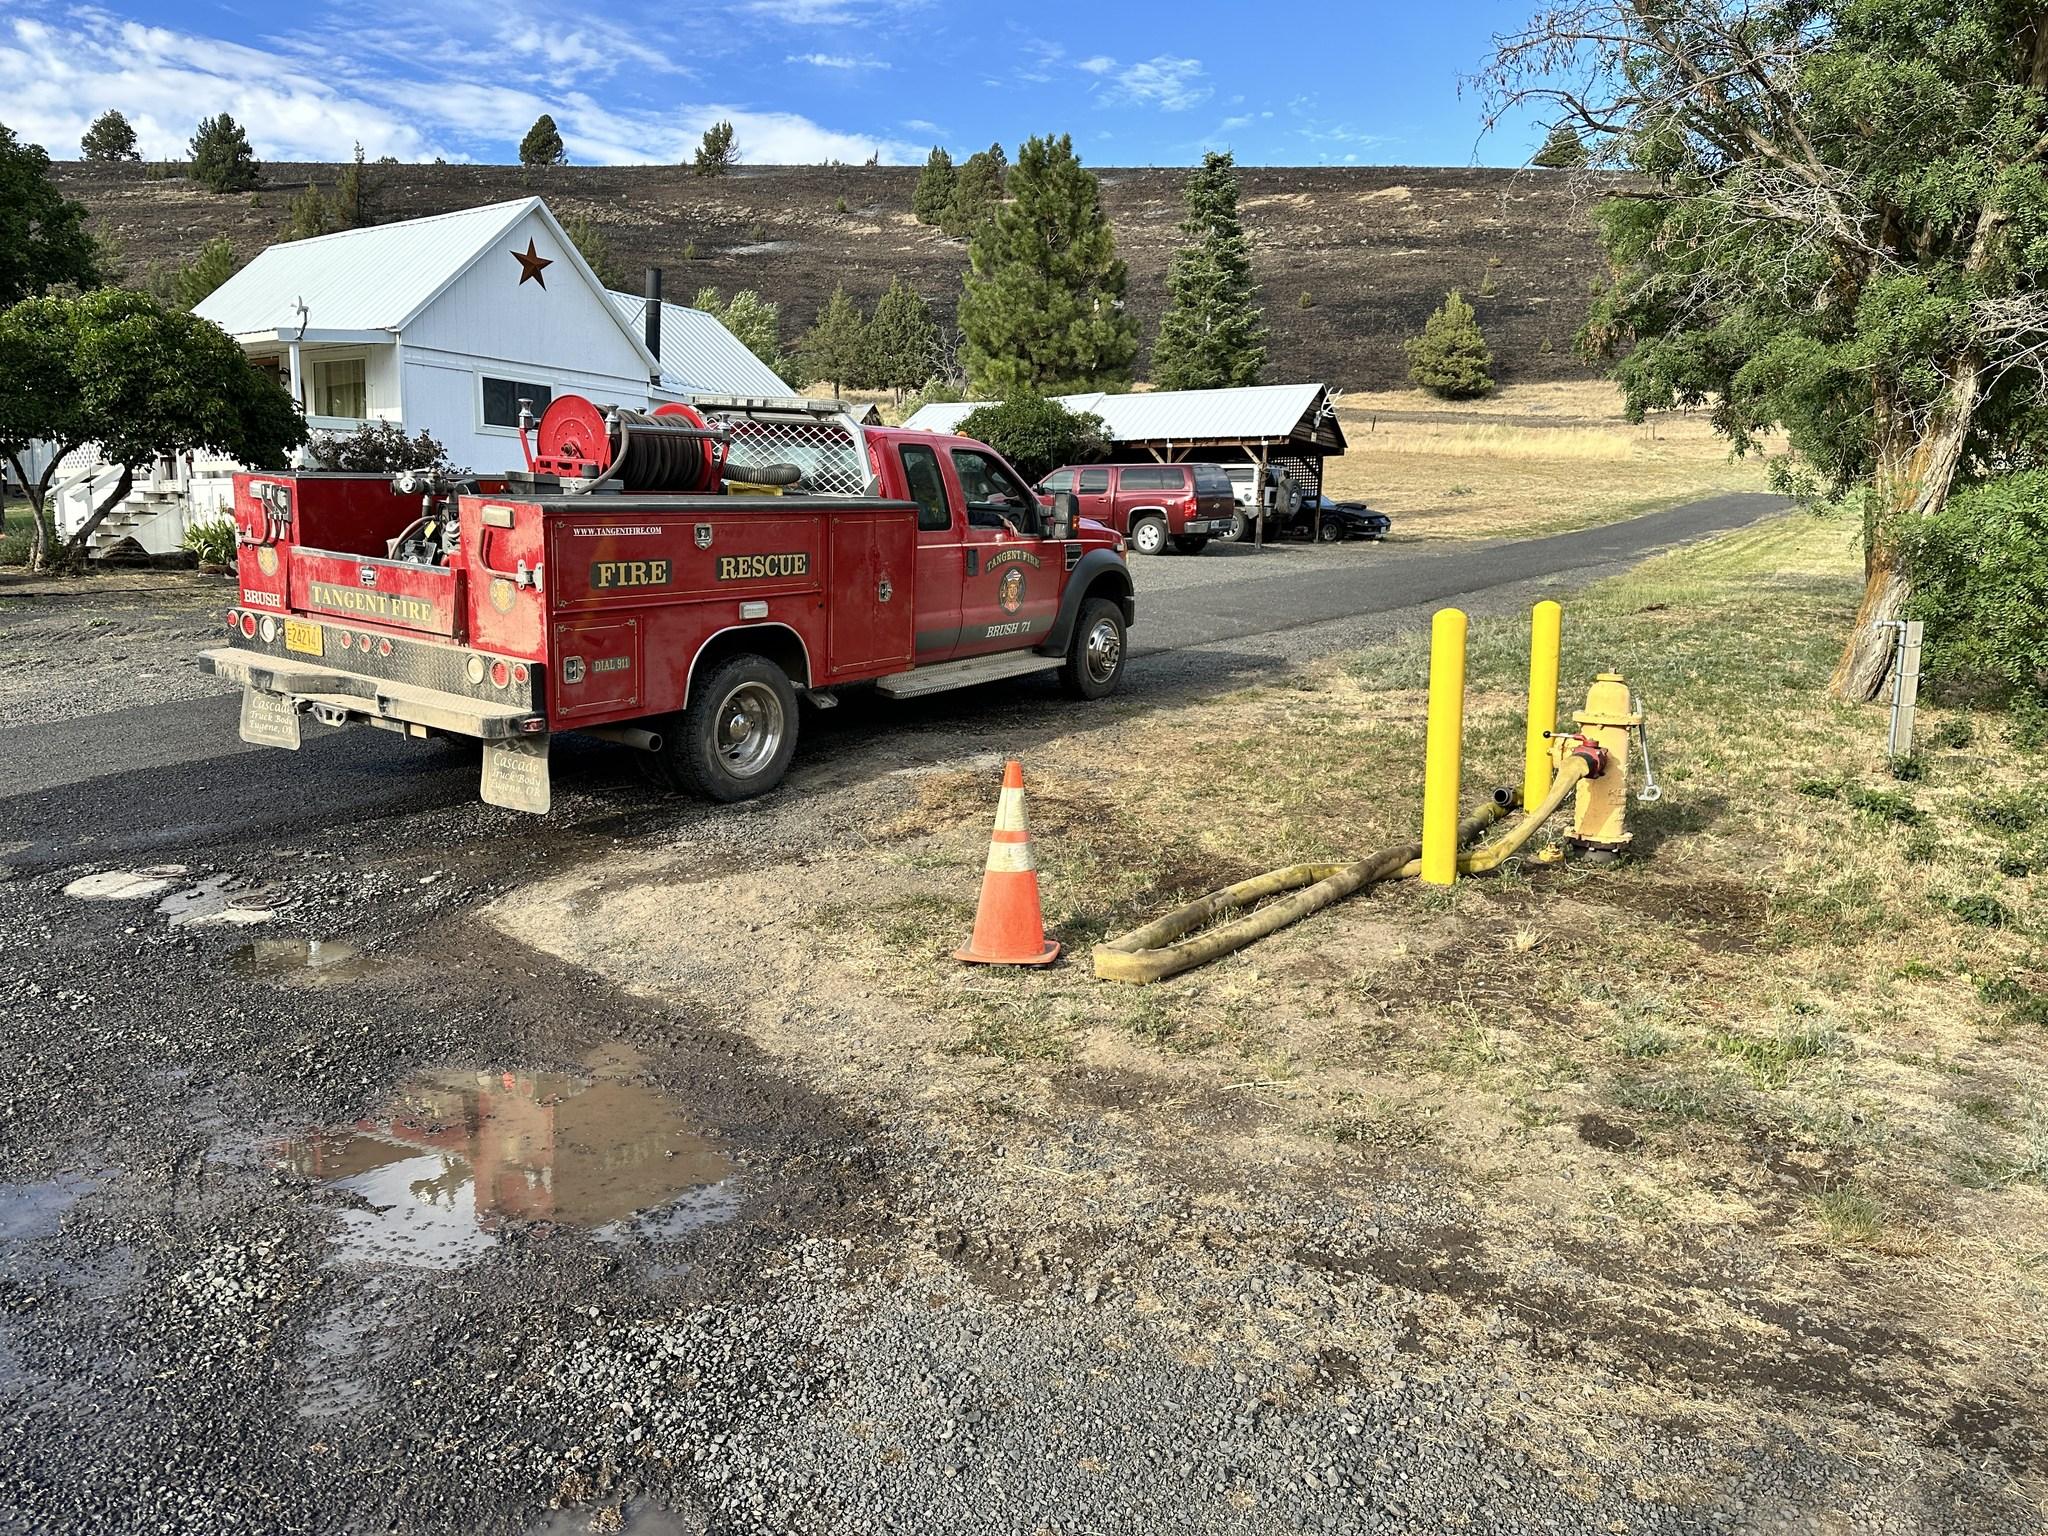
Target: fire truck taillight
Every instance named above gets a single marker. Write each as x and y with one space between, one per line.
347 640
234 621
500 674
248 626
519 672
473 669
269 627
384 647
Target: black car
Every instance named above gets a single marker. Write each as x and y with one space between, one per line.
1341 520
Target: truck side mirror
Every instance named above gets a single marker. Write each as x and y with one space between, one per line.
1066 513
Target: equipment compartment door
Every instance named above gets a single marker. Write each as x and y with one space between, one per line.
873 592
597 670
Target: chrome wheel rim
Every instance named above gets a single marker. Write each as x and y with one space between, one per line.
750 729
1105 650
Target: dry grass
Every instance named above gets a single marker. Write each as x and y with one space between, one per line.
1533 458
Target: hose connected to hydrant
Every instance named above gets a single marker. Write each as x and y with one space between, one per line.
1150 953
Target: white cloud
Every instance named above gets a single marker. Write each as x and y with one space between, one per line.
919 125
1166 82
834 61
301 102
1230 124
1101 64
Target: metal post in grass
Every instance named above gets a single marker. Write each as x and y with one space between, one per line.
1546 629
1444 748
1905 686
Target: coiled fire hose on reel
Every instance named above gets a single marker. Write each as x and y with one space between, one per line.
1158 950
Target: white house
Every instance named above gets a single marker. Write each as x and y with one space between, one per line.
441 324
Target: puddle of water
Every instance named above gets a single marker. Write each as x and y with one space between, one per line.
37 1210
220 899
458 1156
317 962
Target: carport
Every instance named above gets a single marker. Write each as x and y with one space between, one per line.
1287 427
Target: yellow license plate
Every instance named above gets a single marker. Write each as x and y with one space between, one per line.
303 636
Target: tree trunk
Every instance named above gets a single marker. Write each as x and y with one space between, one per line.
74 547
1914 473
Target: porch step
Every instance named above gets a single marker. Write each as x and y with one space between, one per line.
964 674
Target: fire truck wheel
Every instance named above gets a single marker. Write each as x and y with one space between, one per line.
738 733
1095 656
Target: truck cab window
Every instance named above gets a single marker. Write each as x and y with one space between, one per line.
996 498
1094 481
1059 480
927 488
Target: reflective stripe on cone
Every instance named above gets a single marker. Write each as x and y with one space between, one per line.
1009 927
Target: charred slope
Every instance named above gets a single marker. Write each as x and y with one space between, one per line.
1352 259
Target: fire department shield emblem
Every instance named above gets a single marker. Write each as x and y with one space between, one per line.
1010 590
703 535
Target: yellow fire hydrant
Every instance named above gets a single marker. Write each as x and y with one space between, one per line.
1600 813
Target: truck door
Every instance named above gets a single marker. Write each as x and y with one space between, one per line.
941 566
1012 574
1091 489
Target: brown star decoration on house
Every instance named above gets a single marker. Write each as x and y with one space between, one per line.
530 264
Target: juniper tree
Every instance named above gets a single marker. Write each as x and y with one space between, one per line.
1212 335
756 323
1563 150
902 340
977 192
543 144
835 348
221 158
934 188
717 153
1044 305
1845 236
111 137
1450 358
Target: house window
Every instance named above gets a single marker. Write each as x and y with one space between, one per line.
340 388
502 397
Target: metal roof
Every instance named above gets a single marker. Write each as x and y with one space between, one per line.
1256 413
375 279
699 356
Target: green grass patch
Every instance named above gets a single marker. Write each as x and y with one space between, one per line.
1850 1218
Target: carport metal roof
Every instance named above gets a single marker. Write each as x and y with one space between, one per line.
1286 418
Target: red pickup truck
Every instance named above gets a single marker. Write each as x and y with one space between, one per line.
673 581
1152 505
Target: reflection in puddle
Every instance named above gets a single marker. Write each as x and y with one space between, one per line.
460 1154
37 1210
320 962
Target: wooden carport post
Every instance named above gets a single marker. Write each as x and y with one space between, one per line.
1259 502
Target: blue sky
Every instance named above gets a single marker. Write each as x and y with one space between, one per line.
1153 82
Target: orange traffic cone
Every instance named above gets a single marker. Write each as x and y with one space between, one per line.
1009 929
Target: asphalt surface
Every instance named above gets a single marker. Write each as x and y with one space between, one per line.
199 1331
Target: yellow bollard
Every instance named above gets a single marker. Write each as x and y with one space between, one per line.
1546 625
1444 748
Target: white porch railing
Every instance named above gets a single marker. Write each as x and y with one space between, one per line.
165 500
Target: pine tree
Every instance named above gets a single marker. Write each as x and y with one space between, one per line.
1564 150
595 249
543 144
756 322
1450 358
214 265
835 349
934 188
1211 336
111 137
1044 306
718 153
977 192
221 158
352 194
312 214
903 340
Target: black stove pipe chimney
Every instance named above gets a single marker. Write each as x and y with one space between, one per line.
654 312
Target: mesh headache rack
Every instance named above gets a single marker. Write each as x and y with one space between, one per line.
818 438
744 442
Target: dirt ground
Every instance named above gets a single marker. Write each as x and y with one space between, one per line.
77 645
1751 1126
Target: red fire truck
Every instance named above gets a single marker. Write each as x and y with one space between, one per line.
674 581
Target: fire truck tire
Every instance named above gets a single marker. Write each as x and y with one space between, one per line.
1095 656
738 733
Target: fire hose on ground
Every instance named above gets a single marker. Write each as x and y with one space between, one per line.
1590 764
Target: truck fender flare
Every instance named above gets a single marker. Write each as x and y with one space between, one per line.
779 631
1160 512
1100 569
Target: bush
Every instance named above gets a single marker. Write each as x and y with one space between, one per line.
1036 434
378 447
1885 805
213 541
1979 570
1450 358
1982 911
1954 734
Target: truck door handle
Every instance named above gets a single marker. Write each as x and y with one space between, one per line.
973 562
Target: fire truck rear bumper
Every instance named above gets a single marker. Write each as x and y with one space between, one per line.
277 694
